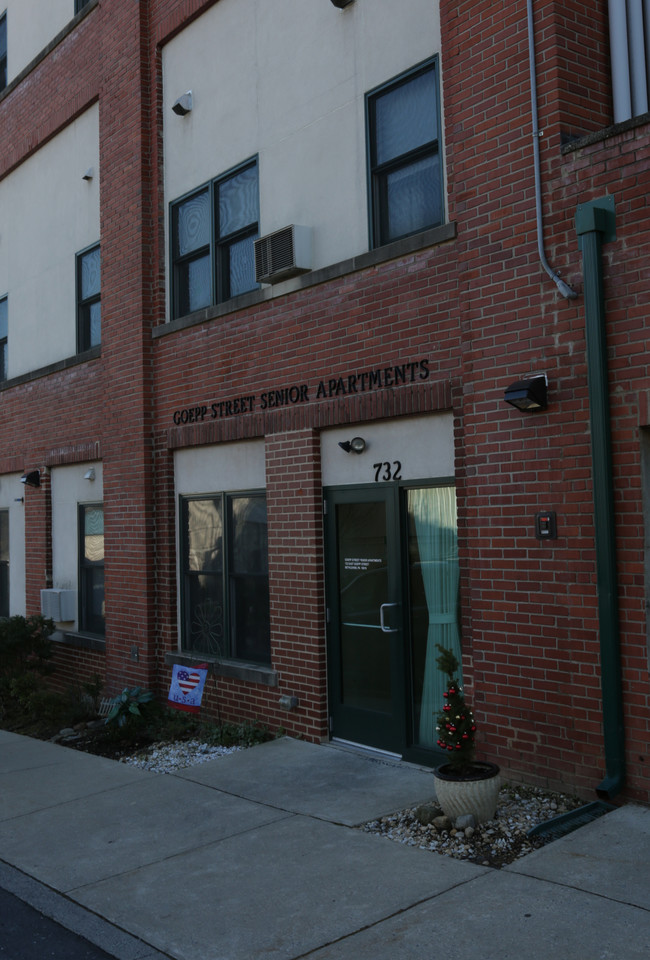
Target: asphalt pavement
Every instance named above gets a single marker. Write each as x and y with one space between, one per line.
27 934
258 855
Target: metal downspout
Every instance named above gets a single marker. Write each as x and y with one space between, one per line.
563 287
595 224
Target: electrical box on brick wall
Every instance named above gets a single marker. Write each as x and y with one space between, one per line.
546 525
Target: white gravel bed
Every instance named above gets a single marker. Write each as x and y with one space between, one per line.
167 757
494 843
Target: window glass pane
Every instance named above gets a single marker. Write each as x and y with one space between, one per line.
433 594
249 618
95 594
204 535
4 563
192 228
91 585
249 587
205 615
194 285
406 117
4 318
4 536
3 52
4 590
241 255
413 198
94 534
90 274
238 201
3 360
250 549
95 323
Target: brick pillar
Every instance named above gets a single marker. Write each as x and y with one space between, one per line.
38 541
296 577
127 315
165 547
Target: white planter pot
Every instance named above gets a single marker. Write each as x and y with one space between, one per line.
477 795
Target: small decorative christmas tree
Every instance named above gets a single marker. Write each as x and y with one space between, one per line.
455 724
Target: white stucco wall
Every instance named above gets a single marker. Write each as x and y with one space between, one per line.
11 492
31 25
69 489
49 213
223 468
424 447
286 80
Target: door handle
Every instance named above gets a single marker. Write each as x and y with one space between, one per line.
382 622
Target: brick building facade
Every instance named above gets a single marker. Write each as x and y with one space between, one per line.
223 520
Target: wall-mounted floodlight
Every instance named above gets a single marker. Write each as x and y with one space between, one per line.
89 174
183 105
528 395
341 3
356 445
89 474
31 479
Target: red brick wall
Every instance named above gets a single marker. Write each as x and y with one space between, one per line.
534 629
618 167
480 308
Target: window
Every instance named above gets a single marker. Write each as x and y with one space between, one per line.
3 51
224 575
403 144
213 231
79 5
91 568
89 312
4 333
4 563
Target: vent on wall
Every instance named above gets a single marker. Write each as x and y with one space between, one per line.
59 605
283 254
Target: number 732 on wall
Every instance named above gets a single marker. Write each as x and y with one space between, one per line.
387 470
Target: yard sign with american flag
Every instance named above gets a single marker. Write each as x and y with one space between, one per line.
186 688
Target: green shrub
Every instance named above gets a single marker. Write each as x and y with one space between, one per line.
235 734
25 645
26 652
126 706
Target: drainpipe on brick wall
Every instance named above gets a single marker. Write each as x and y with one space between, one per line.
595 225
563 287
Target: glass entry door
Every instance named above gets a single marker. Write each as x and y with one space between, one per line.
365 618
392 588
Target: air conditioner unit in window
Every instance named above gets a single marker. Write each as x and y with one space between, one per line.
283 254
59 605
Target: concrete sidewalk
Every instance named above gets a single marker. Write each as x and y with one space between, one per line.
255 855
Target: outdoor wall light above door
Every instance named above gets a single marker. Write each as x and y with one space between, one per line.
528 395
356 445
32 479
183 105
